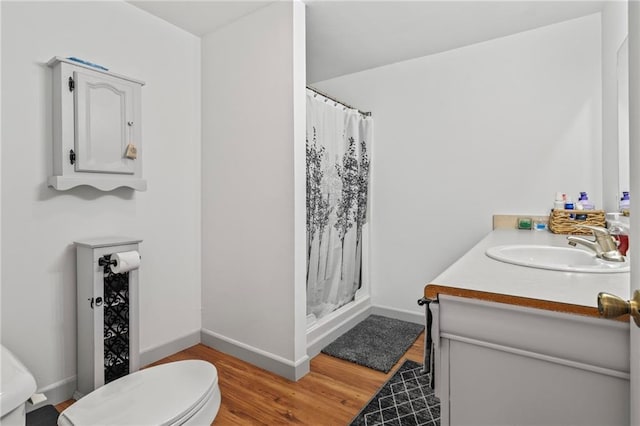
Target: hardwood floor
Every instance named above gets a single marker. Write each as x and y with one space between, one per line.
331 394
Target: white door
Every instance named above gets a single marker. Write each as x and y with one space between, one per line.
634 151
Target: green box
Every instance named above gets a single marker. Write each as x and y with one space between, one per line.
525 223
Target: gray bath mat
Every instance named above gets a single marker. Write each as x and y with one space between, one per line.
377 342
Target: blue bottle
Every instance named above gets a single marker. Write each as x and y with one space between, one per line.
568 205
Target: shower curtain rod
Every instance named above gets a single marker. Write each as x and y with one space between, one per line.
313 89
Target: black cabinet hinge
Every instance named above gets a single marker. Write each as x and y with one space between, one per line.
72 157
72 84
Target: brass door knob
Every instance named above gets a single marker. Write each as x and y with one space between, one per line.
611 306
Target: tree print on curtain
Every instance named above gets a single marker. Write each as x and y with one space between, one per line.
337 195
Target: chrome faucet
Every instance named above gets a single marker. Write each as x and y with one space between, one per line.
604 245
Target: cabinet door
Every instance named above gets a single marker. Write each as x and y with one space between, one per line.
96 302
103 119
117 341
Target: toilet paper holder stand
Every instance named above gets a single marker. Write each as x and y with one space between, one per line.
106 261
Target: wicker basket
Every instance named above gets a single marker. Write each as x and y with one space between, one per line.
562 222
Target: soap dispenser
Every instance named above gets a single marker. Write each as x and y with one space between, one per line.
586 203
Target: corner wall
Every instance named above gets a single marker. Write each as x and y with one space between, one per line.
253 286
495 127
39 224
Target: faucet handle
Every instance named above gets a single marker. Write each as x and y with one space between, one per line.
597 230
608 247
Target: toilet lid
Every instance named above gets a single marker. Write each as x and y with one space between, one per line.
159 395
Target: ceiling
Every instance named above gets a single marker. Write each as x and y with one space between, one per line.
200 17
348 36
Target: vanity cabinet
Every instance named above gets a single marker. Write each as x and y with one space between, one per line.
97 139
499 364
516 345
107 314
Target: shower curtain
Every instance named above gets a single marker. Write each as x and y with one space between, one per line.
338 146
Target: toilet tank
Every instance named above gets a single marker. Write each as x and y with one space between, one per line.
16 386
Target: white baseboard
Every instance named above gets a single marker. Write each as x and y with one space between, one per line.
318 336
163 350
403 315
258 357
56 393
66 389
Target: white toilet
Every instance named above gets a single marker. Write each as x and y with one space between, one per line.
16 387
177 393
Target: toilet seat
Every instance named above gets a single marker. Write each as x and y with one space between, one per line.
165 395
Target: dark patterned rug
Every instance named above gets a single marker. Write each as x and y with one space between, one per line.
405 399
377 342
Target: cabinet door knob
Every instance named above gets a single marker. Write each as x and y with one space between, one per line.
98 302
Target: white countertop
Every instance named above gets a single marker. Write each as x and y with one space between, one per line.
476 271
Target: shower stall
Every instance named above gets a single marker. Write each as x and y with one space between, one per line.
338 149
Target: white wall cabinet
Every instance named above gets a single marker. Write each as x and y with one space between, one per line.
97 138
108 319
498 364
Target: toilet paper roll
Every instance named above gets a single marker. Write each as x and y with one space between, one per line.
125 261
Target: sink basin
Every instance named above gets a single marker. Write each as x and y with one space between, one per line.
555 258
